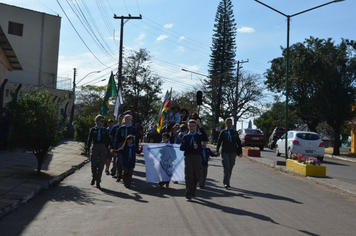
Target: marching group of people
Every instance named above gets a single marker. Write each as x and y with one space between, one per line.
119 144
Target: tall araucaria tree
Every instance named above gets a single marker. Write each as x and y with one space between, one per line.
222 59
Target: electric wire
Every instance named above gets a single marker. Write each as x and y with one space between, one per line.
79 34
88 27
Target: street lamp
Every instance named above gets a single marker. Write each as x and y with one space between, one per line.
74 85
287 69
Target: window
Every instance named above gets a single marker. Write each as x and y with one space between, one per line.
7 93
15 28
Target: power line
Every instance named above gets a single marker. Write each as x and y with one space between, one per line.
79 34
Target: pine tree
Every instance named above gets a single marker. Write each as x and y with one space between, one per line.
222 59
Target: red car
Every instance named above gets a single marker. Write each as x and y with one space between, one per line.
252 138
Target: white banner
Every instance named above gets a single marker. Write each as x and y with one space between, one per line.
163 162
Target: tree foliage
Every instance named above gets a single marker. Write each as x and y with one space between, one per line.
35 125
321 82
90 99
140 87
222 59
276 117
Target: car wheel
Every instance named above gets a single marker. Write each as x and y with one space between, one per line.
277 151
289 152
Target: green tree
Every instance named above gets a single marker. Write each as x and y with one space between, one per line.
273 117
89 100
140 87
222 59
187 100
322 82
35 125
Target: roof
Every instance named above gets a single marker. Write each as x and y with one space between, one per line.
9 51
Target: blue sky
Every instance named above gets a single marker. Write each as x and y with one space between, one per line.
177 33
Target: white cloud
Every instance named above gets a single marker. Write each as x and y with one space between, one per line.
162 37
140 37
181 38
180 49
245 29
168 26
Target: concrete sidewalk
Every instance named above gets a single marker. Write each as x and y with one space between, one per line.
19 181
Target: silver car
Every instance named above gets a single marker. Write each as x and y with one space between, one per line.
302 142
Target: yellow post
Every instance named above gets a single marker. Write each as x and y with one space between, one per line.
353 139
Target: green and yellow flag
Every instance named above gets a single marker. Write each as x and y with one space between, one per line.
110 92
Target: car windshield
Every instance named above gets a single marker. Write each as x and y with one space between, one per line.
280 131
252 131
308 136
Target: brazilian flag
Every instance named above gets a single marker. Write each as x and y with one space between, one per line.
110 92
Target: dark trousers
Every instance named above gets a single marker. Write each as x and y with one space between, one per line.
204 173
98 157
228 162
4 136
192 173
119 167
127 177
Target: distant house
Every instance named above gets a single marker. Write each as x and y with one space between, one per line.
34 38
8 62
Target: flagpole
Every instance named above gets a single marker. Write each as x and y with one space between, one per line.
167 120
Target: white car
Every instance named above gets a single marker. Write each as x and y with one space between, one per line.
301 142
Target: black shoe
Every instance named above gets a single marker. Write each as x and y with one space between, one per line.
118 179
98 185
202 187
175 182
188 199
227 186
112 174
92 182
107 172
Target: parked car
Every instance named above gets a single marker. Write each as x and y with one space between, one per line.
301 142
252 138
276 134
153 136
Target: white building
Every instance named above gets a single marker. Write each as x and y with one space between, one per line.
34 37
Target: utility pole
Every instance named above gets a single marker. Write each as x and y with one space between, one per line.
119 77
236 92
72 111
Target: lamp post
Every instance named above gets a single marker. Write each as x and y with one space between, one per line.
287 66
74 85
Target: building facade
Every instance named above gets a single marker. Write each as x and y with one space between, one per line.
34 37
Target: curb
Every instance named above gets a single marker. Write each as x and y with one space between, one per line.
340 158
47 185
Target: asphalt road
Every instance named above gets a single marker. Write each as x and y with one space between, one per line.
262 201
